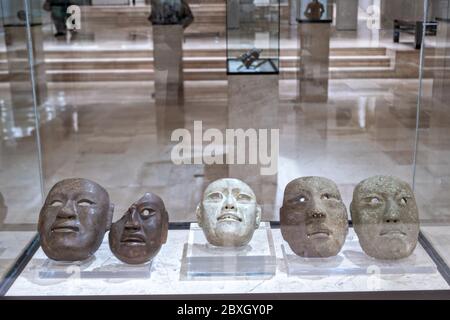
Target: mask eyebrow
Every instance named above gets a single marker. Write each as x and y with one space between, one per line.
56 196
149 205
213 192
87 194
304 190
237 191
404 193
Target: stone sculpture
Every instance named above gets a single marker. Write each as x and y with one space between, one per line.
73 221
170 12
138 236
228 213
313 218
385 217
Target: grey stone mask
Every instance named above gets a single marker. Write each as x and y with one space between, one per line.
385 217
73 221
228 213
138 236
313 218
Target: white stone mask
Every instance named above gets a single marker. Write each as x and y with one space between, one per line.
228 213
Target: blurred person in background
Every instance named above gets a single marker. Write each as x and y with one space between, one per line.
58 10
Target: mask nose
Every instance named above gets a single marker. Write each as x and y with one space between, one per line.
132 223
392 214
230 203
67 212
317 212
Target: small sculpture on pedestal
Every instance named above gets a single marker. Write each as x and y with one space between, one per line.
228 213
249 57
169 12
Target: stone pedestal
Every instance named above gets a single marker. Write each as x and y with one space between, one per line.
441 74
169 92
233 14
168 63
346 14
293 11
314 60
253 104
16 42
247 10
21 86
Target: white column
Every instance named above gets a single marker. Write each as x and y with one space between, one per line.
346 14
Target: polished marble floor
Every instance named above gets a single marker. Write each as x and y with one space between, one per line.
115 134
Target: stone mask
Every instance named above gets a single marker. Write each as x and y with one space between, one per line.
385 217
74 219
313 218
228 213
138 236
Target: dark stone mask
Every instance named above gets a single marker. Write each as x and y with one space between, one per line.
385 217
138 236
74 219
313 217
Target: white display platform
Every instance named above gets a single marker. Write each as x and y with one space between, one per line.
259 66
439 236
166 269
103 265
256 259
351 260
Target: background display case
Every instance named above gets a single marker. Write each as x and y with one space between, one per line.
315 10
85 105
253 36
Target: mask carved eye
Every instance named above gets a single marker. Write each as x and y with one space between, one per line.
147 212
85 203
302 199
374 201
242 197
215 196
403 201
329 196
56 203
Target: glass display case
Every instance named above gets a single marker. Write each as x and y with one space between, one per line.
253 36
315 11
343 195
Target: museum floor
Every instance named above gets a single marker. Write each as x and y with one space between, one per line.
102 124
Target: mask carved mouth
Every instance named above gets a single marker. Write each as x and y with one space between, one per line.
392 233
65 228
135 239
318 234
229 216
